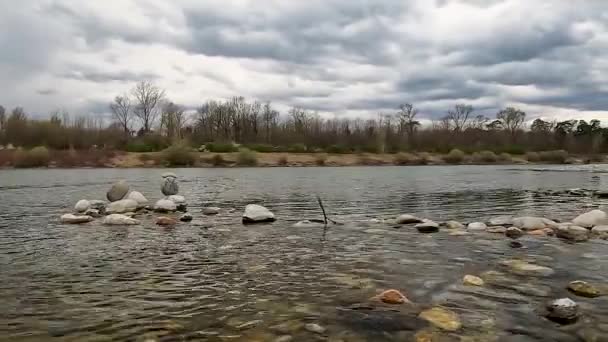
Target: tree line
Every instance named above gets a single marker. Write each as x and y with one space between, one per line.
146 119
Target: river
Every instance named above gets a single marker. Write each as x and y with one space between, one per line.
217 280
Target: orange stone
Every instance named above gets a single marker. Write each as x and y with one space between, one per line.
393 297
165 221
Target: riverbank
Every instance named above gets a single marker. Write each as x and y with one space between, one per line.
121 159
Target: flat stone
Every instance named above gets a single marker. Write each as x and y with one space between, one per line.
211 211
257 214
591 219
122 206
75 219
119 220
427 227
583 289
501 221
497 230
442 318
572 233
600 232
521 267
165 221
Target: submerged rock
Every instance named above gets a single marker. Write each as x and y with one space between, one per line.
563 310
75 219
118 191
138 197
309 224
497 230
211 211
164 206
315 328
442 318
119 220
122 206
515 244
572 233
257 214
169 185
591 219
82 206
472 280
600 232
392 297
427 227
514 233
407 219
454 225
583 289
521 267
477 226
186 218
532 223
165 221
501 221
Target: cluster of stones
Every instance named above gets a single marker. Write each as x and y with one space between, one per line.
593 224
123 204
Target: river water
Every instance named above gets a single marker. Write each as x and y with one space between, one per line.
216 280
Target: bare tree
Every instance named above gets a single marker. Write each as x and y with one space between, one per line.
512 119
459 116
407 120
148 99
122 113
172 120
479 122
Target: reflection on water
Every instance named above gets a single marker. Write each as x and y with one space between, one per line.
231 283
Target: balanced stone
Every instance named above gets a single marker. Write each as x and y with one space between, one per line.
169 186
82 206
118 191
138 197
122 206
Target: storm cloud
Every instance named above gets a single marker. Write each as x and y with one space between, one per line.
337 57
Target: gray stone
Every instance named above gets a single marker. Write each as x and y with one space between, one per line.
82 206
407 219
454 225
573 233
257 214
75 219
119 220
169 186
591 219
122 206
164 206
118 191
477 226
211 211
427 227
186 218
563 310
138 197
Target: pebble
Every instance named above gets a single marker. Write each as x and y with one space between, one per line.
427 227
524 268
393 297
442 318
315 328
472 280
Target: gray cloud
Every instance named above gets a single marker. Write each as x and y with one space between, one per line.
337 56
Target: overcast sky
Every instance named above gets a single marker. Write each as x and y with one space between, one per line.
337 57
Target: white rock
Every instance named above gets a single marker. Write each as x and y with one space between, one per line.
454 225
177 199
82 206
119 220
477 226
165 205
563 310
501 221
406 219
75 219
122 206
256 213
591 219
600 232
168 175
211 211
138 197
532 223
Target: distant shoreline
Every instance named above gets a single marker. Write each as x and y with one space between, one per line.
117 159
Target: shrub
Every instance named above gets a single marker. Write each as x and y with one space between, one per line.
179 155
514 149
221 147
558 156
455 156
424 158
532 157
405 159
144 157
246 157
366 159
36 157
296 148
320 159
217 160
485 157
283 161
338 149
505 157
264 148
139 146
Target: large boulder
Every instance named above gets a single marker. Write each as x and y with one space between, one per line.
572 233
119 220
533 223
180 202
82 206
75 219
407 219
122 206
118 191
169 185
257 214
600 232
165 206
591 219
138 197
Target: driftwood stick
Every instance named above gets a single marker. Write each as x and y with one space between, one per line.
322 209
